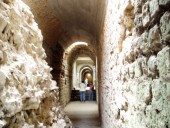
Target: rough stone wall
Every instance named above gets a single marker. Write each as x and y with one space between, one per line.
65 80
56 59
135 64
49 53
28 96
59 73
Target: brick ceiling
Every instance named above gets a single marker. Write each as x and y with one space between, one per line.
67 21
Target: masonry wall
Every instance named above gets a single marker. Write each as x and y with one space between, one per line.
135 65
65 81
28 95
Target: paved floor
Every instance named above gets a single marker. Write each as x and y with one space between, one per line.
83 115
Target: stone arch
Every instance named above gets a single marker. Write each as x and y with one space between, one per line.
69 57
85 67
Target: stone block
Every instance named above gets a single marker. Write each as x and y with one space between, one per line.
165 26
3 79
138 70
129 50
155 38
31 103
15 17
139 29
164 2
143 45
144 95
145 14
163 60
168 91
18 39
154 8
2 123
138 6
156 115
131 70
154 33
152 66
1 57
11 100
128 22
143 61
28 126
158 90
3 23
4 6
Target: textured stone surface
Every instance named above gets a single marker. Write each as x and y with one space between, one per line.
153 8
28 96
164 2
165 26
164 63
155 39
135 90
152 66
145 14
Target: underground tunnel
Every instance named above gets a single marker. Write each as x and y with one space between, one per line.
47 47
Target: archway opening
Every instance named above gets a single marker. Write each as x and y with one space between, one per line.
87 75
75 57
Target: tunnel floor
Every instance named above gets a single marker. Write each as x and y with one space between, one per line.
83 115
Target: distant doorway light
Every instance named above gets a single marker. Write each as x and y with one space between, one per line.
88 75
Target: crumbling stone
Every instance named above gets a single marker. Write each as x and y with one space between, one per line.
28 96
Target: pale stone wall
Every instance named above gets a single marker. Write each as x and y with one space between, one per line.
65 83
135 64
28 95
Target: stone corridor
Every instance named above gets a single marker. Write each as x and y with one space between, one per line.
47 47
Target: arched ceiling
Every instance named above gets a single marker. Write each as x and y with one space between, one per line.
67 21
80 51
86 67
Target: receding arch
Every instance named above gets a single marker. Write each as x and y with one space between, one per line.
84 69
70 55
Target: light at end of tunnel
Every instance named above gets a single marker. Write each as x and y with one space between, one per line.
88 74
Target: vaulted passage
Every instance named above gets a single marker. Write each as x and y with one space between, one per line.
47 47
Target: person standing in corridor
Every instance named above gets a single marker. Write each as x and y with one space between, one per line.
86 82
91 92
82 91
